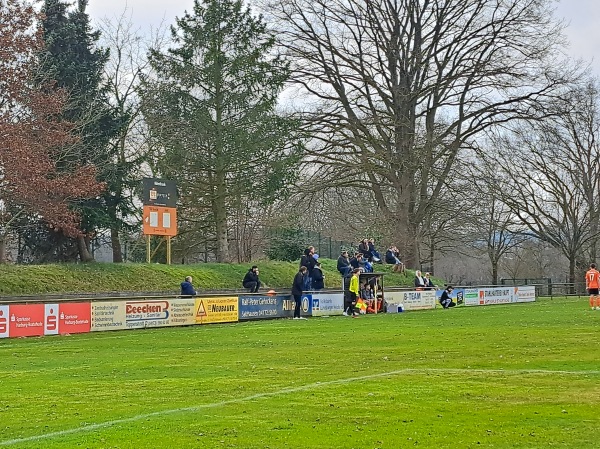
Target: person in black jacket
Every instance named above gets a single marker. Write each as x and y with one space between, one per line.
251 280
318 277
297 289
445 299
307 260
343 264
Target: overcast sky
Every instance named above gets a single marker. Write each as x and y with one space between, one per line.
583 17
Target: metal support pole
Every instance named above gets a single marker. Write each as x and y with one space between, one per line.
148 257
168 250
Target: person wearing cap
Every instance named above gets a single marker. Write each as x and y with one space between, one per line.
251 280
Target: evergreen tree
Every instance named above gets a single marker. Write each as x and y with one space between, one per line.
212 109
73 61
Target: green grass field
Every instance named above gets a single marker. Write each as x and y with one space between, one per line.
512 376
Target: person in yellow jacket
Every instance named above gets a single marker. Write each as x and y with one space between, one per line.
352 295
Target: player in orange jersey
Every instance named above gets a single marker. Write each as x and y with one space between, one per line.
592 283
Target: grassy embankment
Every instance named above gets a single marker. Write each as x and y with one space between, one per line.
100 277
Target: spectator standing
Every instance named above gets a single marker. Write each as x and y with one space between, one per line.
297 290
318 277
251 280
419 281
343 264
307 260
445 299
187 289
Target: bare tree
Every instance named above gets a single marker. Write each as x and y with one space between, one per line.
553 184
122 74
395 89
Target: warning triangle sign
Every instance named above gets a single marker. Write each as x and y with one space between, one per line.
201 312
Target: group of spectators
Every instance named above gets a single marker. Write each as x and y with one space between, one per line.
310 275
366 256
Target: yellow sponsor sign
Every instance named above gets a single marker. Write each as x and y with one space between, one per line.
223 309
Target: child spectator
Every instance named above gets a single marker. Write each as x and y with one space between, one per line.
318 277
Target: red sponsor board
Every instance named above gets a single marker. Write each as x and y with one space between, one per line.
4 321
26 320
74 318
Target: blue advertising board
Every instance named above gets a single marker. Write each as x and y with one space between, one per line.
457 296
259 307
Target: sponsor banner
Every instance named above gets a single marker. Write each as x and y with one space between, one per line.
26 320
4 322
472 297
217 310
74 317
415 300
183 312
495 295
151 313
108 316
457 296
255 307
524 294
50 319
327 304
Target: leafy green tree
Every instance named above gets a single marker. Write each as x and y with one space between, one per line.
73 61
211 108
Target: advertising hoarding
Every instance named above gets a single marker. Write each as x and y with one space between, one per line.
222 309
412 300
327 304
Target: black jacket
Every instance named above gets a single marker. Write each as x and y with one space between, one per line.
318 279
343 262
298 284
390 257
251 276
308 261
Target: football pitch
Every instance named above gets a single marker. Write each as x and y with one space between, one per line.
506 376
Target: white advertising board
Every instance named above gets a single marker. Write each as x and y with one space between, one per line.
414 300
327 304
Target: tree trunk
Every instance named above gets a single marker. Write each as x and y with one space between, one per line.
115 242
84 253
572 266
220 213
3 249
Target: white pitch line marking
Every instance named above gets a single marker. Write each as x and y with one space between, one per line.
286 391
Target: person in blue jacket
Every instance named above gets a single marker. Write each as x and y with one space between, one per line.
187 288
